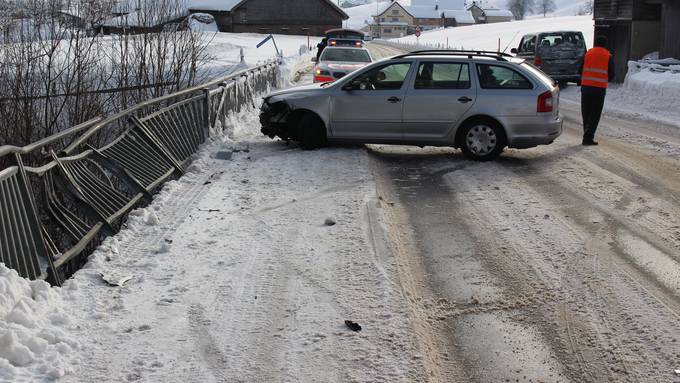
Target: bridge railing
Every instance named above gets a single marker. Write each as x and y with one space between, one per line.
60 196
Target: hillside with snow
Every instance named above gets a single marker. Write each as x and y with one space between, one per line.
486 36
361 15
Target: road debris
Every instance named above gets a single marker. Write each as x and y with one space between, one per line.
353 326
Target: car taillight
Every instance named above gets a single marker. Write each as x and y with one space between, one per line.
333 42
357 43
545 102
323 79
537 61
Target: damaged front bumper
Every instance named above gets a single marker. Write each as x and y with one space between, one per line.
274 119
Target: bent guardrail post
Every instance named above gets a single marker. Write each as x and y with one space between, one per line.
21 243
159 145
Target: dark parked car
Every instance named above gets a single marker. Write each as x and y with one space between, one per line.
558 54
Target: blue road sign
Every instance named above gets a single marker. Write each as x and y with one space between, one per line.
265 40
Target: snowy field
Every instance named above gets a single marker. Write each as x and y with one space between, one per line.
225 48
486 36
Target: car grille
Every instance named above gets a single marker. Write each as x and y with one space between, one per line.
339 74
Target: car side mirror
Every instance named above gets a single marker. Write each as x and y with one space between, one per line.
352 85
513 50
313 59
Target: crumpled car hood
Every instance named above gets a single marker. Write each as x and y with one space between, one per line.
302 91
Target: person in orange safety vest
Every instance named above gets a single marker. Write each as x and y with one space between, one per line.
598 70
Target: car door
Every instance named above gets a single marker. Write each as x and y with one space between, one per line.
369 107
527 48
438 98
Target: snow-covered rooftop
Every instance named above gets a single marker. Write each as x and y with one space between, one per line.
492 12
213 5
427 12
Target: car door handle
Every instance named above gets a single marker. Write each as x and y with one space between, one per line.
394 100
465 100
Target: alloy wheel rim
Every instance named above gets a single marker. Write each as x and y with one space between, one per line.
481 139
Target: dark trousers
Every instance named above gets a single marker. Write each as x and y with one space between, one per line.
592 102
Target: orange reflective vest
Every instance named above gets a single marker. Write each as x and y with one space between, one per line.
596 68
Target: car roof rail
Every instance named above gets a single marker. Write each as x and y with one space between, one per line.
501 56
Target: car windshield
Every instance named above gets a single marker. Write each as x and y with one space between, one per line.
346 55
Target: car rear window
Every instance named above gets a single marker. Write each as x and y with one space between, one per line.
547 80
561 38
433 75
347 55
501 77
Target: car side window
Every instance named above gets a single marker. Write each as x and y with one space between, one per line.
432 75
500 77
388 77
528 44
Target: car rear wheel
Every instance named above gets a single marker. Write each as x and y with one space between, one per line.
482 140
312 132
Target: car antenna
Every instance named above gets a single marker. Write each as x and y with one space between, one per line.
511 40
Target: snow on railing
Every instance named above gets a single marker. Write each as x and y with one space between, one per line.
80 184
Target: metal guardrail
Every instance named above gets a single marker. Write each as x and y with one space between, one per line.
55 211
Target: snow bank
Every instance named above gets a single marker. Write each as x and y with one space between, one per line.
652 88
35 333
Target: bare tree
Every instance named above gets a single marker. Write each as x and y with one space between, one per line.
586 8
56 70
520 8
545 7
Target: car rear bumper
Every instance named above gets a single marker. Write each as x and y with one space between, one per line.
566 77
543 133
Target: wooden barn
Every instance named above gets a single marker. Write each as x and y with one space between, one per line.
295 17
636 28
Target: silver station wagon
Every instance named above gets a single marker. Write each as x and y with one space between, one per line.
480 102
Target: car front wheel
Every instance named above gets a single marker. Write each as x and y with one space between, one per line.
312 132
482 140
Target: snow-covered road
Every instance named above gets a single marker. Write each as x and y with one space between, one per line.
559 263
237 278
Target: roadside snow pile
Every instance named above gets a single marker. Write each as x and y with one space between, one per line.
650 88
659 84
34 330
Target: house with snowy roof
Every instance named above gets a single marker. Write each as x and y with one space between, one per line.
397 19
296 17
487 15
